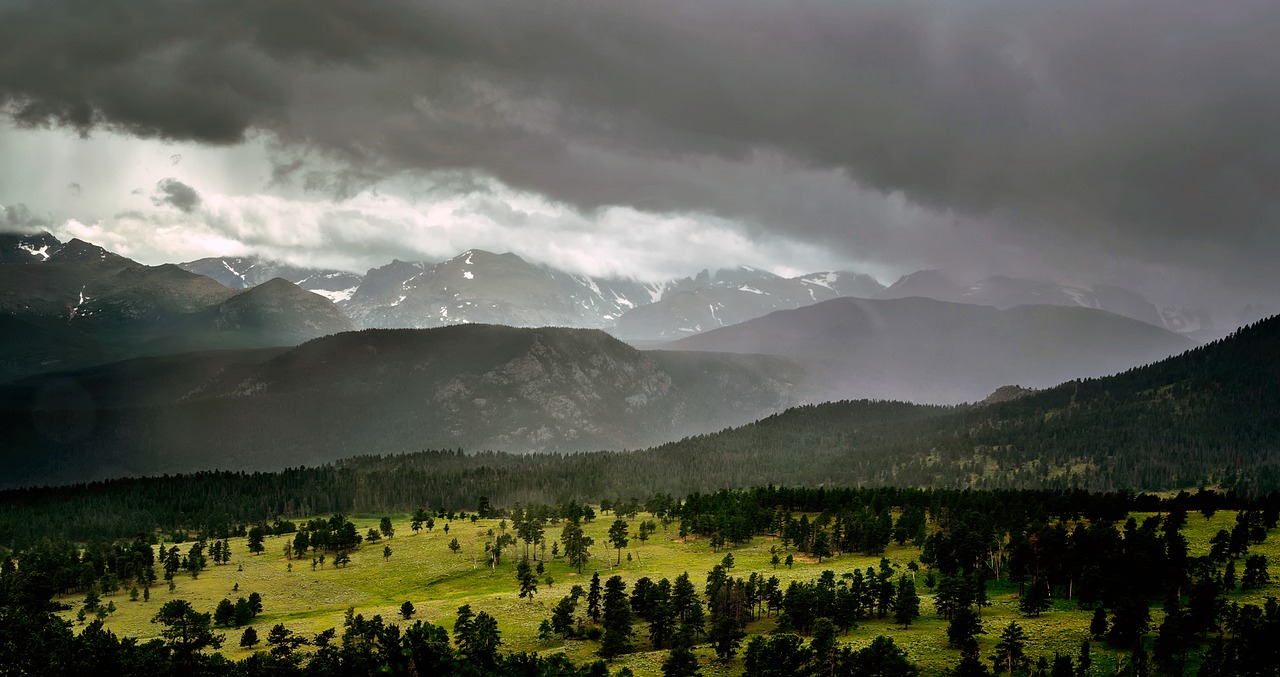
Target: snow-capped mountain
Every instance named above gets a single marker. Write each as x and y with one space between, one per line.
736 295
27 248
73 304
251 271
477 286
1007 292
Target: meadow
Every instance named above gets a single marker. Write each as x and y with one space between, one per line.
422 569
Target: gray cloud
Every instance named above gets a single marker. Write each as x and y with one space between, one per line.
176 194
1088 135
17 218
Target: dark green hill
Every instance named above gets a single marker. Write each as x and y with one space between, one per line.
1207 415
378 391
1210 415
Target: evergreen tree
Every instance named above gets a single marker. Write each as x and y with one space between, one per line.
618 536
576 544
617 619
1255 573
681 661
1129 621
1036 599
256 534
250 638
906 606
1085 662
562 615
684 599
1098 626
593 598
225 613
186 631
964 628
477 636
407 610
1010 651
823 645
528 580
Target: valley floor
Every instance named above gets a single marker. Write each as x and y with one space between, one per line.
421 569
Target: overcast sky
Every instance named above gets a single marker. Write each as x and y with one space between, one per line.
1132 142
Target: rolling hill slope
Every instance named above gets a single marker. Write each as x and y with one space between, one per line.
380 391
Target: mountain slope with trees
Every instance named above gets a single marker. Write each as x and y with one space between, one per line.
380 391
1206 416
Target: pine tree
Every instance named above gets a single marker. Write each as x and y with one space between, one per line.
1010 651
1098 626
964 628
250 638
1255 572
528 580
225 613
906 606
1036 600
562 615
681 662
617 619
618 536
593 598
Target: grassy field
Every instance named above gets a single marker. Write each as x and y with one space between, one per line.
422 570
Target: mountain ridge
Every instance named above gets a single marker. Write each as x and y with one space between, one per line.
923 350
387 390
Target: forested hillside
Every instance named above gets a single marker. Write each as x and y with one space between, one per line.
1208 416
377 391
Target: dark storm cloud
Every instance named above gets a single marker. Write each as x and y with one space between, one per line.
176 194
19 219
1145 129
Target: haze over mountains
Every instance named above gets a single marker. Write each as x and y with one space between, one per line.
921 350
479 286
210 376
378 391
74 304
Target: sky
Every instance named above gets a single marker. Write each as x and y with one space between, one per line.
1085 141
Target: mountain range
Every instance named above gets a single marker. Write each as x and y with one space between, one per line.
477 286
483 287
1007 292
1204 417
532 390
378 391
480 286
921 350
124 369
66 305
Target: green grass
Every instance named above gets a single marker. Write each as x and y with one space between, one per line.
424 571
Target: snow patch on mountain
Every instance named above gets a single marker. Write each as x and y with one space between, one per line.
42 252
336 296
